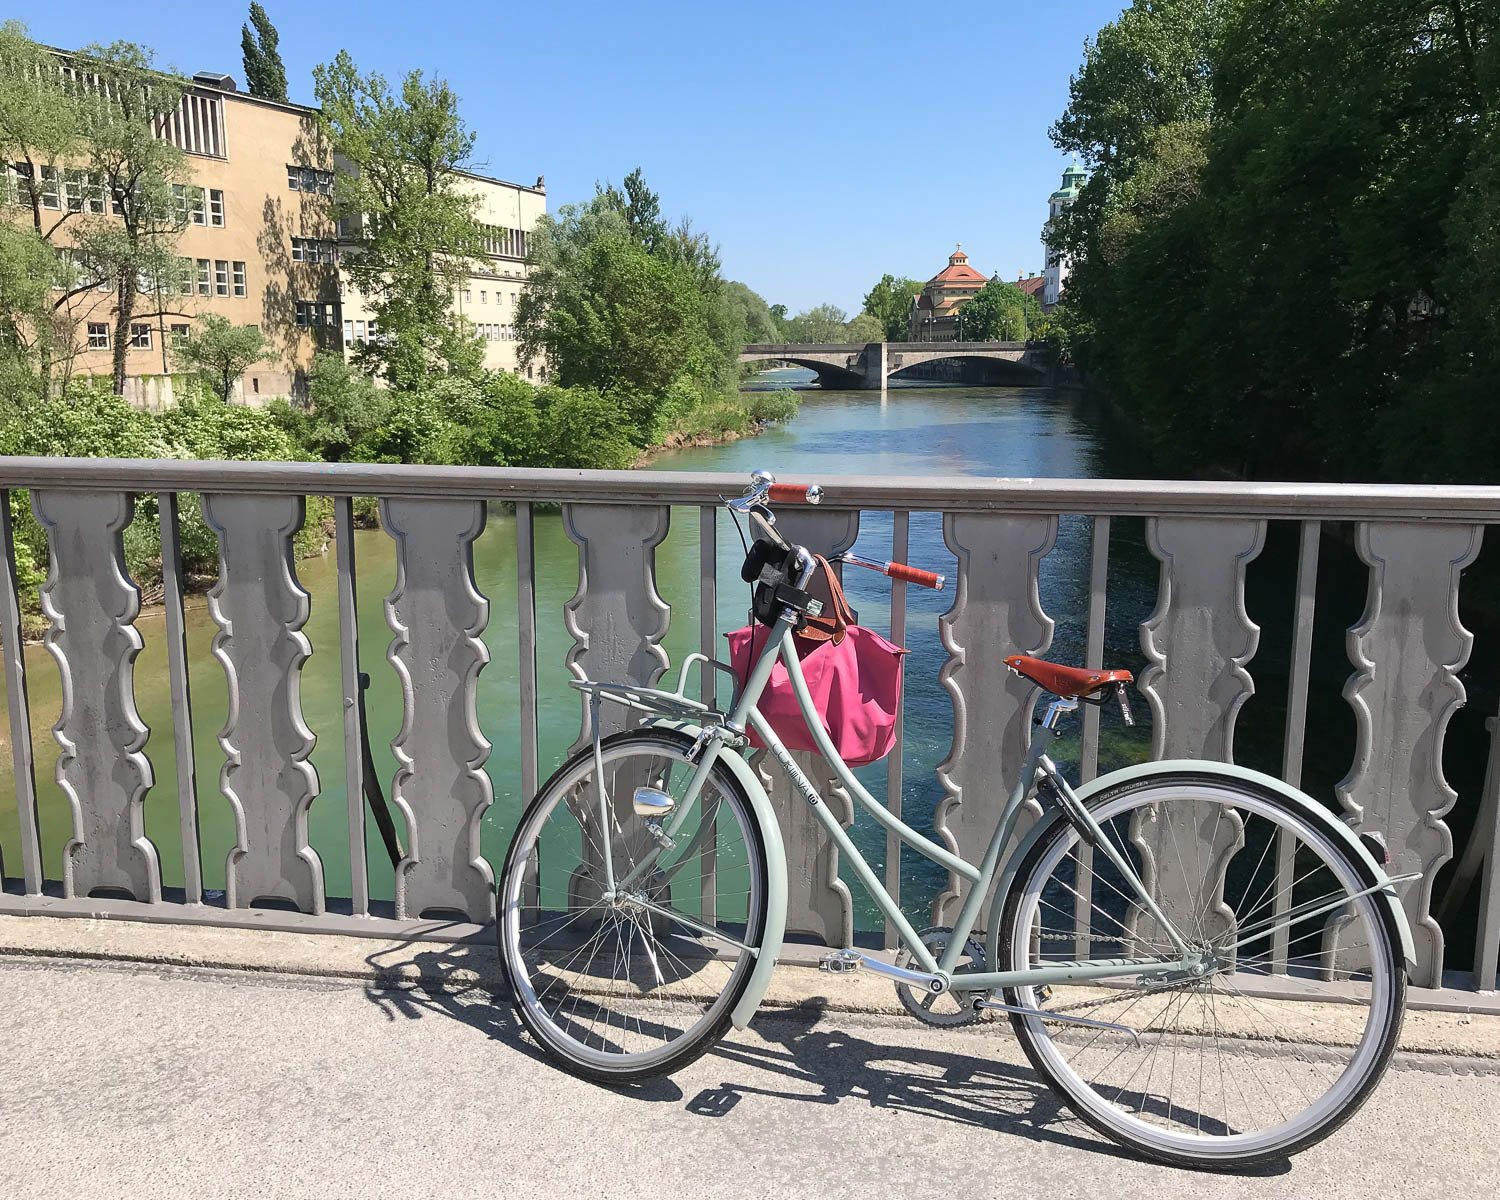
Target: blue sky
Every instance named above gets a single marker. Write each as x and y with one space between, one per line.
821 144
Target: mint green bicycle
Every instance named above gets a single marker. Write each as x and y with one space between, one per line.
1204 963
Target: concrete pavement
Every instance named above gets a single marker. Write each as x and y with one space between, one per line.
136 1080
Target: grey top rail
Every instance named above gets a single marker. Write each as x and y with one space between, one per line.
1117 497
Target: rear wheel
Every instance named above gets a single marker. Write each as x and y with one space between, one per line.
1298 1005
634 982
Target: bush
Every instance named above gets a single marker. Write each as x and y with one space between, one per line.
582 428
767 407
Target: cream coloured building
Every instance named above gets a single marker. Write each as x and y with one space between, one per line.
489 297
257 189
260 246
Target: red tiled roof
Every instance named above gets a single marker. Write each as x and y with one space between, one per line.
1032 285
958 273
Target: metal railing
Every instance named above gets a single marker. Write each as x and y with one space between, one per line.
1404 654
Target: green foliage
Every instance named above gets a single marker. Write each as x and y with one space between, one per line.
751 313
863 327
825 323
1308 192
343 406
889 302
418 232
264 73
582 427
768 407
220 351
999 312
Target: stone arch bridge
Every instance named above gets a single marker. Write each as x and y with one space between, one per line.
870 365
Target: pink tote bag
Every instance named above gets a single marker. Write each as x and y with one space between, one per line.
855 684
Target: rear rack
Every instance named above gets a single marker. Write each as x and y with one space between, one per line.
675 703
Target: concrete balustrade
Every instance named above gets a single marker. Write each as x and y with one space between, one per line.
1404 658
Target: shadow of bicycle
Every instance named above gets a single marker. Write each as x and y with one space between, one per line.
822 1061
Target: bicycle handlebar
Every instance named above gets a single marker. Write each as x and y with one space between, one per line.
795 493
896 570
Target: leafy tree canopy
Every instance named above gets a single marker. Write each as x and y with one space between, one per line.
889 302
220 351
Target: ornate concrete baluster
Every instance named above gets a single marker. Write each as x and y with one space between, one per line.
92 604
616 618
818 902
617 621
1407 651
437 615
996 611
1198 641
260 609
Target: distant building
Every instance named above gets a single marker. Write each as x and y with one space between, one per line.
1032 285
1056 274
489 296
260 246
935 311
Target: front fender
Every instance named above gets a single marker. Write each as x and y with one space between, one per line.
1229 771
770 830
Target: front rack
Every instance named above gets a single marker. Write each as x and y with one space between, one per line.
675 703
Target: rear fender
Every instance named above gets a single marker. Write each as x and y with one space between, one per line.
760 804
1229 772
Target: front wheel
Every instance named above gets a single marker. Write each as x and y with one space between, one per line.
627 946
1292 1008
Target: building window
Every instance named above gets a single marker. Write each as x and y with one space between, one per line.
140 337
348 333
309 179
181 335
216 207
221 277
314 250
51 197
255 384
484 296
98 335
239 278
315 314
205 288
468 296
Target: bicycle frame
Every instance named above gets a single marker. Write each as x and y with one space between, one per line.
1037 765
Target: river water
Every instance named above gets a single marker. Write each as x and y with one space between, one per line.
908 431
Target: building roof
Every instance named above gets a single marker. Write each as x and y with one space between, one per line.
958 272
1032 285
1072 182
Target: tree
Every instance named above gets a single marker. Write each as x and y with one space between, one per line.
265 75
998 312
621 302
889 302
418 231
754 318
864 328
221 351
825 323
131 242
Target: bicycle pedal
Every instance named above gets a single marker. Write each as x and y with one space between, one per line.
840 962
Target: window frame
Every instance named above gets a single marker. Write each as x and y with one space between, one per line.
140 335
100 330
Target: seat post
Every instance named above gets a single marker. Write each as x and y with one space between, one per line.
1056 709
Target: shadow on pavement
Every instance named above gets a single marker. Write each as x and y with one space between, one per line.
822 1062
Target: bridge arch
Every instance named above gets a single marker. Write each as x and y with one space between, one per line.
978 368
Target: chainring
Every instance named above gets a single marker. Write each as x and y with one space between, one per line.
950 1008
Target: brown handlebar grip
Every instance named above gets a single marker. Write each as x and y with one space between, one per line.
927 579
794 493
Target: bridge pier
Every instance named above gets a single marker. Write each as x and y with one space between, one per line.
875 372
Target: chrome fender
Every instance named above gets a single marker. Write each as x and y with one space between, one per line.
770 830
1316 812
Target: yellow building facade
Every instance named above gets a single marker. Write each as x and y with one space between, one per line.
260 246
